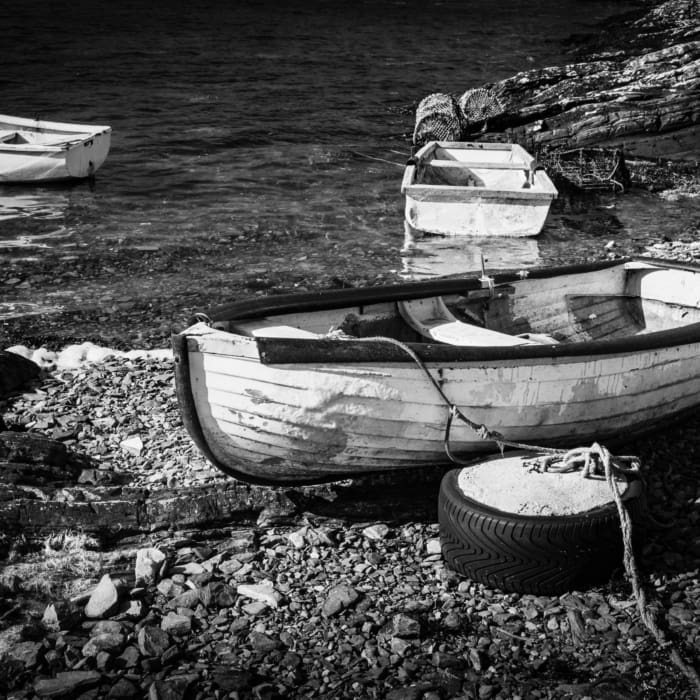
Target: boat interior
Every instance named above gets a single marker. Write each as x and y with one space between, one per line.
629 299
42 138
467 167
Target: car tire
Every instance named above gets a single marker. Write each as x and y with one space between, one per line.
541 555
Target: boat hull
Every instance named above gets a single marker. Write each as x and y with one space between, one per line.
477 214
274 410
41 151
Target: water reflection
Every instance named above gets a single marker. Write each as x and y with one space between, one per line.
426 256
49 204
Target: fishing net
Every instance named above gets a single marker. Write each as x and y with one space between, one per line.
479 104
437 119
588 168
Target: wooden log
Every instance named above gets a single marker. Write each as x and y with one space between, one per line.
32 448
111 512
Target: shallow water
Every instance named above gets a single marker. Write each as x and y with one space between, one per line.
259 147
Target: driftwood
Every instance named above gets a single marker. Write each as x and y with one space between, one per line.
41 493
112 512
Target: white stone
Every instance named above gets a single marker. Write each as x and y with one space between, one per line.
376 532
263 592
149 564
103 598
50 618
298 538
133 445
433 546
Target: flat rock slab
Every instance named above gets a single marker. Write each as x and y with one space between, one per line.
118 511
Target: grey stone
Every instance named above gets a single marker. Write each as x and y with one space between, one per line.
153 641
124 689
339 598
105 641
176 624
405 626
66 683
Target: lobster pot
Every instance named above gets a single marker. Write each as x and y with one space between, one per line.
588 168
478 105
437 119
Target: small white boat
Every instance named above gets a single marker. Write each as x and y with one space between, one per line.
33 150
322 385
478 189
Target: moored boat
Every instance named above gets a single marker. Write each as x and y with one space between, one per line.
480 189
319 386
33 150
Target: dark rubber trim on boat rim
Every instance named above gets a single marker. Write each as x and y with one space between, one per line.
540 555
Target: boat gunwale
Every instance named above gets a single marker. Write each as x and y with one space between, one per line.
45 125
362 350
35 148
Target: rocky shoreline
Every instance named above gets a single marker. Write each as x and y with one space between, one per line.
336 591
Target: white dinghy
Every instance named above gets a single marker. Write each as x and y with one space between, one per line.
33 150
478 189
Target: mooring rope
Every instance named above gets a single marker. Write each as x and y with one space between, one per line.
590 460
648 613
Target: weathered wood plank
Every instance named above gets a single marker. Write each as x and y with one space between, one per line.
114 512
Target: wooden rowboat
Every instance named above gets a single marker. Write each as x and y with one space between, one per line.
480 189
41 151
318 386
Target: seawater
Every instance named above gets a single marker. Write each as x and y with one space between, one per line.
260 145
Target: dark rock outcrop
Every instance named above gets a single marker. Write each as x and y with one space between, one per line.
15 371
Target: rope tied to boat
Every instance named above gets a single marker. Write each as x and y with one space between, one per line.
595 459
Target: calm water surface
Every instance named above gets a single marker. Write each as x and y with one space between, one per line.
259 147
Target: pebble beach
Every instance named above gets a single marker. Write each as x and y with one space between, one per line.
336 591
